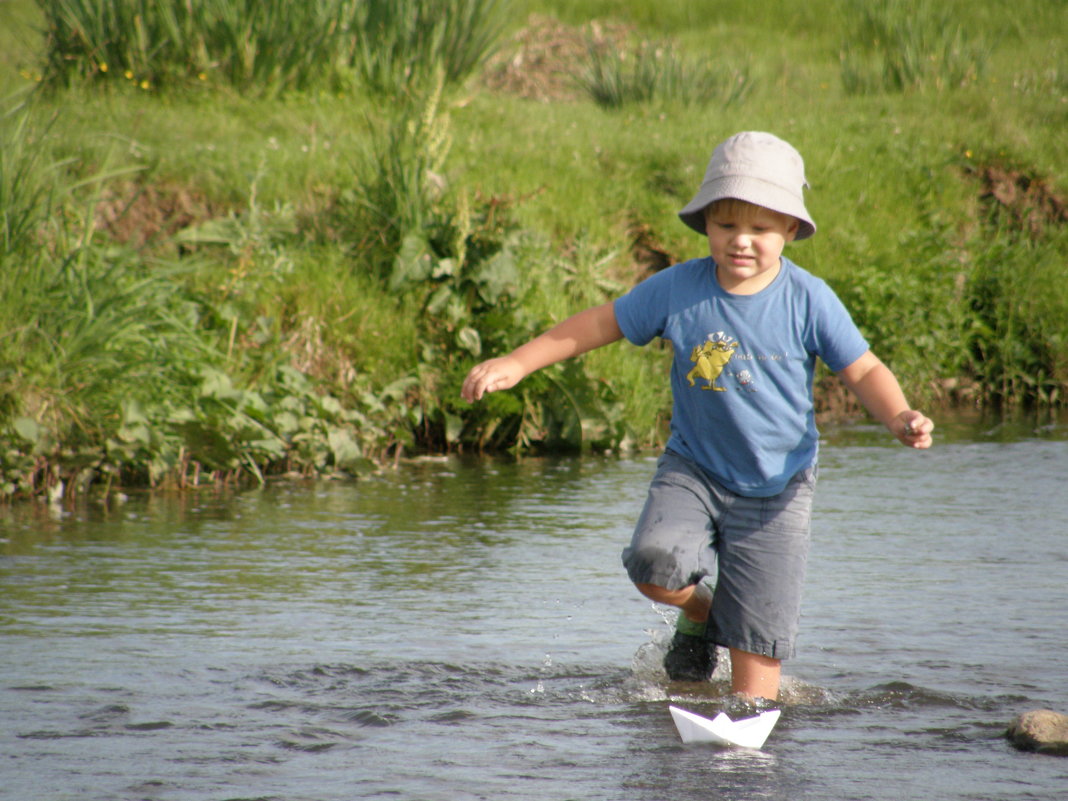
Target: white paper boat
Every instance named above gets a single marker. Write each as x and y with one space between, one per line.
747 733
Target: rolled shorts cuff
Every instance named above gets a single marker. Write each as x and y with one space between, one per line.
777 649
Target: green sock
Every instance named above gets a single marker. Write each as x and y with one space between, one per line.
687 626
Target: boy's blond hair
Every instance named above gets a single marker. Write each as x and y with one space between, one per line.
739 209
742 209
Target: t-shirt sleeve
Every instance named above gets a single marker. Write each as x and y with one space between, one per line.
642 313
838 341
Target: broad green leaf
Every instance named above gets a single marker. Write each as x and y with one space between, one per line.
454 426
28 429
470 341
413 263
344 449
498 276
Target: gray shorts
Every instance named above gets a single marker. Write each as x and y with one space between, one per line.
691 525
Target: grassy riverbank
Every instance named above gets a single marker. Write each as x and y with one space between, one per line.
226 261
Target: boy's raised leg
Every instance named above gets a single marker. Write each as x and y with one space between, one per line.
691 656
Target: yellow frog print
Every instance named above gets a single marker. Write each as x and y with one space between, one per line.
710 358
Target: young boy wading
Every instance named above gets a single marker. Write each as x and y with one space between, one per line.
733 489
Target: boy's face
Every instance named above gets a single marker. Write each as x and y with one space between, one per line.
746 242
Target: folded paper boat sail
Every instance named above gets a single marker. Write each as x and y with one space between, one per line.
747 733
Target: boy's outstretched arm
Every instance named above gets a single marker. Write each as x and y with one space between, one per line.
877 388
584 331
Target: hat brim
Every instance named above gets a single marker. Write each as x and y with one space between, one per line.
751 190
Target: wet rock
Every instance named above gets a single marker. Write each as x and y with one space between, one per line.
1041 730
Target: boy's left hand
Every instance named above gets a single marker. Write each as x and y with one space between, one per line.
914 429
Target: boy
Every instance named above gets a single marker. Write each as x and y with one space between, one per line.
735 483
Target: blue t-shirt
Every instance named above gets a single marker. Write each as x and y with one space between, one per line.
741 377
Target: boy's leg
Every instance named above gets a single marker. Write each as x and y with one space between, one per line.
752 675
694 601
668 556
763 547
755 676
691 655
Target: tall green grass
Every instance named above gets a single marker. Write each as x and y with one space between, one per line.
396 181
267 46
905 44
399 43
648 72
247 45
1016 338
26 193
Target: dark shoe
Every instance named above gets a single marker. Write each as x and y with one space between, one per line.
690 657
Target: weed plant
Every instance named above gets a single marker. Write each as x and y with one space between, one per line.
396 182
461 259
26 199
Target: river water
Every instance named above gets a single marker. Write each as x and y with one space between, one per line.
463 629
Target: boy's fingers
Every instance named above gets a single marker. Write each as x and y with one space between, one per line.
917 423
477 383
490 376
474 392
468 391
917 430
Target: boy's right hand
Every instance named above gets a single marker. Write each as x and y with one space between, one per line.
491 376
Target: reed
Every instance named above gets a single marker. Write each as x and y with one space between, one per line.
398 44
616 77
263 46
907 44
268 46
27 192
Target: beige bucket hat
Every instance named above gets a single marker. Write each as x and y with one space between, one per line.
756 167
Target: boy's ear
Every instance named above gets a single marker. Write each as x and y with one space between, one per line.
792 229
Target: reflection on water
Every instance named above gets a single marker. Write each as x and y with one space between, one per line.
463 629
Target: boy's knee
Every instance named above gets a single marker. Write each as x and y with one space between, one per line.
654 567
660 595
